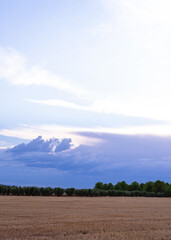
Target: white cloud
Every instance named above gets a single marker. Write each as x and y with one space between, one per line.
139 42
102 29
140 46
13 68
59 103
156 109
142 26
3 148
50 131
148 107
77 134
148 11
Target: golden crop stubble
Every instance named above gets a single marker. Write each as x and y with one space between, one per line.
85 218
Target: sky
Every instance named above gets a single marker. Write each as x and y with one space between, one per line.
84 69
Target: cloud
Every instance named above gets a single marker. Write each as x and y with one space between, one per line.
60 103
114 158
52 145
112 152
2 148
141 45
145 107
150 108
84 136
102 29
146 104
50 131
14 69
153 10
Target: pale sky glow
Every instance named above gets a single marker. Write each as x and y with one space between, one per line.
101 58
49 131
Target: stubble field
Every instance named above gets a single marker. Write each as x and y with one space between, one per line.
119 218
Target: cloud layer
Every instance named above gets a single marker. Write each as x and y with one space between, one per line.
111 152
113 158
144 104
14 69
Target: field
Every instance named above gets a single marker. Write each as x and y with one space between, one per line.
85 218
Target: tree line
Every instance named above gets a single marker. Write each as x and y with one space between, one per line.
148 189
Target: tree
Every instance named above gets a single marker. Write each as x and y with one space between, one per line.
58 191
148 186
70 191
134 186
14 190
98 185
168 190
110 186
48 191
159 186
121 186
141 187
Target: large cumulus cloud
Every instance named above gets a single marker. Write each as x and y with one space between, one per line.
40 145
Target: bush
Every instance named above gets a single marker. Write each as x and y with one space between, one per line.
14 190
46 191
83 192
136 193
95 193
58 191
160 194
151 194
70 191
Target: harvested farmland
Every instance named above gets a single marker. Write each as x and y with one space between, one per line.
71 218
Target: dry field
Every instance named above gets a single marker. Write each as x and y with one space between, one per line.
85 218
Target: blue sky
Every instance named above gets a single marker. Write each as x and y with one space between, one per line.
69 67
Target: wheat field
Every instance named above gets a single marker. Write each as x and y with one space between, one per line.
72 218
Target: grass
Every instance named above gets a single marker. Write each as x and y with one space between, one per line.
74 218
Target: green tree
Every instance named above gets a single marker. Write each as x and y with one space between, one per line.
121 186
159 186
58 191
134 186
110 186
70 191
98 185
148 186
